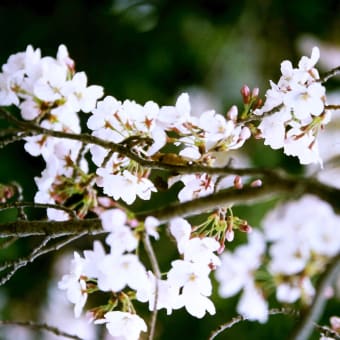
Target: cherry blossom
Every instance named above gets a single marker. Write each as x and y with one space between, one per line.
195 286
299 238
119 271
75 285
237 272
298 101
167 293
293 248
124 325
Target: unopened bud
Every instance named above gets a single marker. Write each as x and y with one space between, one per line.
238 182
221 241
229 235
220 250
258 104
257 133
256 184
245 228
232 113
133 223
255 92
245 133
245 92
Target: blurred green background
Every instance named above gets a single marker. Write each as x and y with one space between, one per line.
154 50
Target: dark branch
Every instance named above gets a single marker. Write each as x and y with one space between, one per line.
332 73
39 326
326 331
240 318
275 184
155 268
40 250
23 204
55 228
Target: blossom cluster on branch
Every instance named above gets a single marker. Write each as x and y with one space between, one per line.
291 250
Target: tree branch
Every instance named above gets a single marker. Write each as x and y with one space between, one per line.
121 148
330 74
23 204
239 318
39 326
326 331
155 268
41 249
275 184
55 228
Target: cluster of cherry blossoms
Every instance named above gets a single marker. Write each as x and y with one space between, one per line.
121 273
146 129
299 245
294 110
50 93
51 96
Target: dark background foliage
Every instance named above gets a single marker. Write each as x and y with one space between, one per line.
146 50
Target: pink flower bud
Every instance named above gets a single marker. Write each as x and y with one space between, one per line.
238 182
256 184
257 104
220 250
245 92
133 223
245 228
255 92
229 235
232 113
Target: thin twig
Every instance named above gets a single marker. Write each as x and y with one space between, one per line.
240 318
41 249
6 140
22 204
332 73
326 331
122 149
332 107
39 326
5 244
155 268
305 326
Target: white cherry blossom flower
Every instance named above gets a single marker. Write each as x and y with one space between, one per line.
174 116
195 304
75 285
123 325
151 223
92 258
167 294
285 292
180 229
80 96
252 304
119 271
236 269
195 286
201 250
125 186
112 219
288 257
195 186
